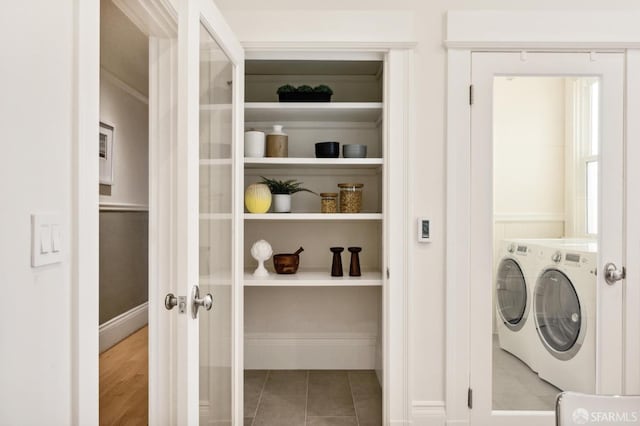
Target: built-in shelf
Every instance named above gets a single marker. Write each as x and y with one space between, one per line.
313 216
216 216
312 111
215 107
215 162
346 163
313 279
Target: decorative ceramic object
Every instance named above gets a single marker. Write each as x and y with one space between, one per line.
281 203
261 251
287 263
277 143
257 198
354 267
254 144
336 264
327 149
354 151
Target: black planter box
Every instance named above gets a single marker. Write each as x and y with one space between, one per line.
304 97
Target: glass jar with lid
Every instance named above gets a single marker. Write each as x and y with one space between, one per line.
350 197
329 202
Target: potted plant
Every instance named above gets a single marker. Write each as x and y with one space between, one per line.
304 93
281 190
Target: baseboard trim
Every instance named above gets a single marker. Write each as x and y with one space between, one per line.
116 329
429 413
336 351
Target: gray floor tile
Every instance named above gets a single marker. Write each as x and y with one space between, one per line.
281 410
254 381
364 383
329 394
286 382
369 410
516 386
331 421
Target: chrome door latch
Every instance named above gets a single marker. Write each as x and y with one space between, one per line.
205 302
170 301
612 274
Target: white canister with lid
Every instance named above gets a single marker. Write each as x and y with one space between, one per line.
254 144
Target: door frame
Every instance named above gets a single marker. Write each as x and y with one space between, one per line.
477 31
158 20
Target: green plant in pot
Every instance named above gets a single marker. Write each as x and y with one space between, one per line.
287 89
281 190
323 89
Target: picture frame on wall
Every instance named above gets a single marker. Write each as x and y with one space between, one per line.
105 153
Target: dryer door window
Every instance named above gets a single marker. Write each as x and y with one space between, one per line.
558 314
511 292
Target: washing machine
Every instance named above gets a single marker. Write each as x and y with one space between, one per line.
564 309
515 275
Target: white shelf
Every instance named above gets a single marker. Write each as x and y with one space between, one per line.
312 278
347 163
312 111
313 216
215 162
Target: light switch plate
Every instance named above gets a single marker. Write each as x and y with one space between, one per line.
424 230
46 239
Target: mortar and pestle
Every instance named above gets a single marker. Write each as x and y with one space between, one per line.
287 263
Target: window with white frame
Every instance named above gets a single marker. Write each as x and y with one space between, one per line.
583 152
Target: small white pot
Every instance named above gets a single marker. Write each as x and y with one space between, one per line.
281 203
254 144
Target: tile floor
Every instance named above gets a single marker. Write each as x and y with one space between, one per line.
516 386
312 398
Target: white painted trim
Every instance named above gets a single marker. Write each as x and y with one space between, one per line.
563 29
117 328
155 18
333 351
397 135
631 385
428 413
458 256
84 217
116 81
528 217
162 188
123 207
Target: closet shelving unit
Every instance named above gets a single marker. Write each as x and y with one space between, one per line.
335 305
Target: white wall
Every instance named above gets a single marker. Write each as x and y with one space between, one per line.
428 153
37 87
128 114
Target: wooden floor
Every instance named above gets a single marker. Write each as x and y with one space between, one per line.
124 381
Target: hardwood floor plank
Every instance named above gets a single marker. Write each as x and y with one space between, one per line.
124 381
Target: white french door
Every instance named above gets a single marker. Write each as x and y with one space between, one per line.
547 138
210 72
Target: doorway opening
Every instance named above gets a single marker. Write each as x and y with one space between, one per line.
123 219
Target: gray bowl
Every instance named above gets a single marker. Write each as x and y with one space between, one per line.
354 151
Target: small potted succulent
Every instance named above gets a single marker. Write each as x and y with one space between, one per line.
304 93
281 190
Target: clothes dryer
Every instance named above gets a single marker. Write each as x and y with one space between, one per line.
515 276
564 308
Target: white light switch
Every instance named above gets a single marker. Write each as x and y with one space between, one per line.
46 239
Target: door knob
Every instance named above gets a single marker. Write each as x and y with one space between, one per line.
612 274
196 302
170 301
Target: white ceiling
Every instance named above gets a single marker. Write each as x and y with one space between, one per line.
124 49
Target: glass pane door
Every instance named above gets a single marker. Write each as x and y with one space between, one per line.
547 137
215 230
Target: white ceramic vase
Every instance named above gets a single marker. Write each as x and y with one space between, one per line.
254 144
281 203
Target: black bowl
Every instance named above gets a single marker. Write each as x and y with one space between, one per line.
327 149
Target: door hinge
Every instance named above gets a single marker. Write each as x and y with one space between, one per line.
387 273
471 94
470 398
